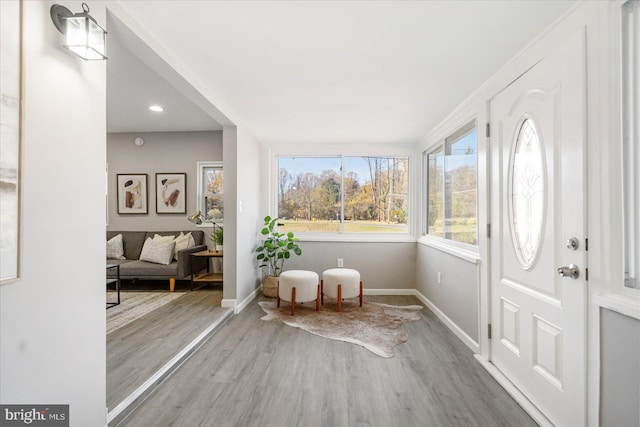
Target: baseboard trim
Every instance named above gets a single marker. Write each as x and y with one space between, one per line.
464 337
514 392
388 291
228 303
245 302
131 402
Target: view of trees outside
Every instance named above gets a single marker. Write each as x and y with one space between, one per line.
452 190
311 196
213 193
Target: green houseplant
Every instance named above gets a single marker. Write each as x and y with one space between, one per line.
273 251
217 236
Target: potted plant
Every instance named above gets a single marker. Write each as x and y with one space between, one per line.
272 253
217 236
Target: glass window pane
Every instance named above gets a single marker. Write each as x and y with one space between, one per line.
527 194
213 193
309 194
435 193
461 189
376 194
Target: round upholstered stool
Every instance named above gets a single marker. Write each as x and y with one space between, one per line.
298 286
340 283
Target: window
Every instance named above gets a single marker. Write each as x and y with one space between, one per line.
344 194
211 190
631 149
451 175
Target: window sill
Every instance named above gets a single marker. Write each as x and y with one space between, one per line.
451 249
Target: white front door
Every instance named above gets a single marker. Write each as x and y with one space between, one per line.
538 204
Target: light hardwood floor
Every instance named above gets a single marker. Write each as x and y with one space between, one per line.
140 348
258 373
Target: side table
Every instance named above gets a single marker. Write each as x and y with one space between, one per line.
207 277
116 281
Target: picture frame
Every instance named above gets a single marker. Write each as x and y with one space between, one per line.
10 140
132 193
171 193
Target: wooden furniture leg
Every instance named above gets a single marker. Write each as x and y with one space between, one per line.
293 301
172 284
322 291
339 297
278 303
318 299
361 293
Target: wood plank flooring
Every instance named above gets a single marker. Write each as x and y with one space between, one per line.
137 350
258 373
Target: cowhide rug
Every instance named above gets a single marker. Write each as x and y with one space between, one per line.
373 326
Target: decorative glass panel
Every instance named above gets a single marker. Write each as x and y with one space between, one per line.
527 194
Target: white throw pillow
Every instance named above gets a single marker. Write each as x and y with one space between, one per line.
183 241
164 239
157 251
115 248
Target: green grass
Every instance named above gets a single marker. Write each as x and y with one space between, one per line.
334 227
462 230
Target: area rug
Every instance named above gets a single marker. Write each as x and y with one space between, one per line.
373 326
134 305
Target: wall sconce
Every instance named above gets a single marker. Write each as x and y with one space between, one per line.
84 37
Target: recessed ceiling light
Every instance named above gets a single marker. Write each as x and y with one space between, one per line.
156 108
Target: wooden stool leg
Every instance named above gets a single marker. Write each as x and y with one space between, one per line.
278 304
318 299
293 301
322 291
172 284
339 297
361 293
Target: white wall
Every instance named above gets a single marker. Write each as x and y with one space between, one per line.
242 218
381 265
248 213
162 152
458 291
52 320
620 359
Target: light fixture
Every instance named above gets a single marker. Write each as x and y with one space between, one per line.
156 108
197 219
84 37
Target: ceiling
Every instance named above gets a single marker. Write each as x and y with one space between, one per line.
321 71
133 86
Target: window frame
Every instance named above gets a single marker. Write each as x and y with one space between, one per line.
630 106
342 236
466 250
201 166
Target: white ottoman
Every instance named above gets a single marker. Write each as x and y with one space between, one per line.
341 283
298 286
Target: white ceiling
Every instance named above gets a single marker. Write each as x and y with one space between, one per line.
132 87
331 71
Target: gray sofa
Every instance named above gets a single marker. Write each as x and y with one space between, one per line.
133 268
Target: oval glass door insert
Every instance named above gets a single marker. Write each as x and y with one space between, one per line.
527 182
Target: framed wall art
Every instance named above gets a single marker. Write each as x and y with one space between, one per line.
10 124
171 193
132 193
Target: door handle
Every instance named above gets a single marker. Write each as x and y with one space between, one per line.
571 271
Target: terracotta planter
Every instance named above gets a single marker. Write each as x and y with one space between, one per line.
270 287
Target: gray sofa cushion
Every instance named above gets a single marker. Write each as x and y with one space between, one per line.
147 269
